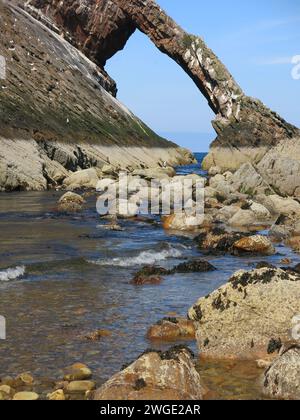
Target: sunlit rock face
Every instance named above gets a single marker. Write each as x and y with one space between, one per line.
245 127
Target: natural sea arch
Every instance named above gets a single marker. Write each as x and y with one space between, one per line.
102 27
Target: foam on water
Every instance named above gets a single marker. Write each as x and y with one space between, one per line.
12 273
144 258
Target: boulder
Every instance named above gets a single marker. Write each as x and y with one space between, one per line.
172 329
281 168
285 206
103 185
214 170
218 241
282 378
156 376
256 244
210 192
87 178
70 202
185 221
280 206
243 218
193 266
226 213
249 317
260 211
149 274
247 180
155 173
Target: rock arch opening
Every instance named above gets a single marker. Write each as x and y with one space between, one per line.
100 28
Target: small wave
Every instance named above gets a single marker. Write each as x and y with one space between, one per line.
12 273
144 258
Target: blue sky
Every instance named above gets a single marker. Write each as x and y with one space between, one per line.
255 39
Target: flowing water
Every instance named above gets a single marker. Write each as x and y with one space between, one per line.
64 276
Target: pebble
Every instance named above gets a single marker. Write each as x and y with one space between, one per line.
26 396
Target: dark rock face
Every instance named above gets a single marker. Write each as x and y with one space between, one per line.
102 27
98 28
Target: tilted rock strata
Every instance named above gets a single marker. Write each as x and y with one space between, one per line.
56 118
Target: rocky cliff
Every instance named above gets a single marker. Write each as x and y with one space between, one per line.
55 115
246 129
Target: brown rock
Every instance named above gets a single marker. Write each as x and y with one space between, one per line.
143 280
155 376
172 329
80 386
57 395
97 335
77 372
256 244
25 396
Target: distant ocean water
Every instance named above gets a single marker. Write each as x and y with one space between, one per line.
194 168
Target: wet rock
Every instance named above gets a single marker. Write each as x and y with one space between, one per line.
186 221
152 270
282 379
77 372
97 335
256 244
218 241
70 202
25 396
147 280
193 266
79 387
249 314
172 329
156 376
57 395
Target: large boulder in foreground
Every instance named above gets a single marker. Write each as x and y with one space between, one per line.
282 379
156 376
248 317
